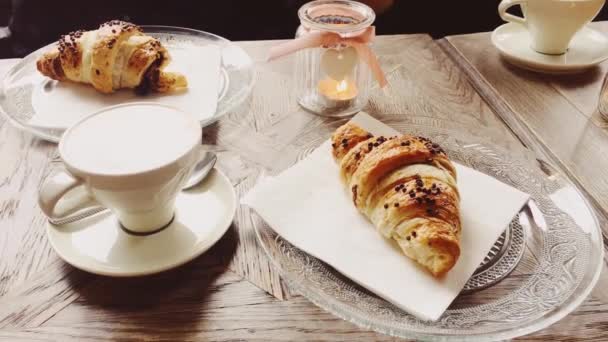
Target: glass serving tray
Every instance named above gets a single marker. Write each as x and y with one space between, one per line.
541 269
236 79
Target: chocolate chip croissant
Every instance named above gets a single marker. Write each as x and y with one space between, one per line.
115 56
406 186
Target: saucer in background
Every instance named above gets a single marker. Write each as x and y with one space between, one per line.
587 49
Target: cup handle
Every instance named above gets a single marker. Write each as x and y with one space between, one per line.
53 189
505 5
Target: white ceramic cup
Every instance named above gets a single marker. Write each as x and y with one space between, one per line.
552 23
132 158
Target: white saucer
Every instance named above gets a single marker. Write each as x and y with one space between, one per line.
587 49
99 244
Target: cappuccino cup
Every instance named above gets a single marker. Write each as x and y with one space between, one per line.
132 159
552 23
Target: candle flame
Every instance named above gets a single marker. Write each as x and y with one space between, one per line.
342 86
337 90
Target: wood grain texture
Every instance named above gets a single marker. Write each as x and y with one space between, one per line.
231 292
24 250
42 296
225 309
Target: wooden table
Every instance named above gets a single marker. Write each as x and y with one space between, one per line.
232 292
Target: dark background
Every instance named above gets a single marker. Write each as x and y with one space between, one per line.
35 23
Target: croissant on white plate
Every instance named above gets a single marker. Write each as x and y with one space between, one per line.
115 56
406 186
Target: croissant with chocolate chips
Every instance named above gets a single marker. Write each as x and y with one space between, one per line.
115 56
406 186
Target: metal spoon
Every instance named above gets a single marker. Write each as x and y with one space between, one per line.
602 105
200 172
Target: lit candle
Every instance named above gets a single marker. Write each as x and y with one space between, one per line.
337 89
337 93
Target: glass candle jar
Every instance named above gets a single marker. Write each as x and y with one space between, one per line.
332 79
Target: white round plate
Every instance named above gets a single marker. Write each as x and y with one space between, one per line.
99 245
46 108
587 49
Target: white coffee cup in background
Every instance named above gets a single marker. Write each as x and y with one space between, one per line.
552 23
132 158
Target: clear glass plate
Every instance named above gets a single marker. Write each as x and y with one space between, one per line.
559 266
237 78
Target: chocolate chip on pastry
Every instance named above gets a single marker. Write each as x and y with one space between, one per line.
406 186
115 56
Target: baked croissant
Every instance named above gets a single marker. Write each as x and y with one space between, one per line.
115 56
406 186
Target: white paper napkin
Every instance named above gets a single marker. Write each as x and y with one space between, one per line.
65 103
309 207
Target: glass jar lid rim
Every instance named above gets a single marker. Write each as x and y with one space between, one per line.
367 14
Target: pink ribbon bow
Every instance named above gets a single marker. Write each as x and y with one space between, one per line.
322 38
